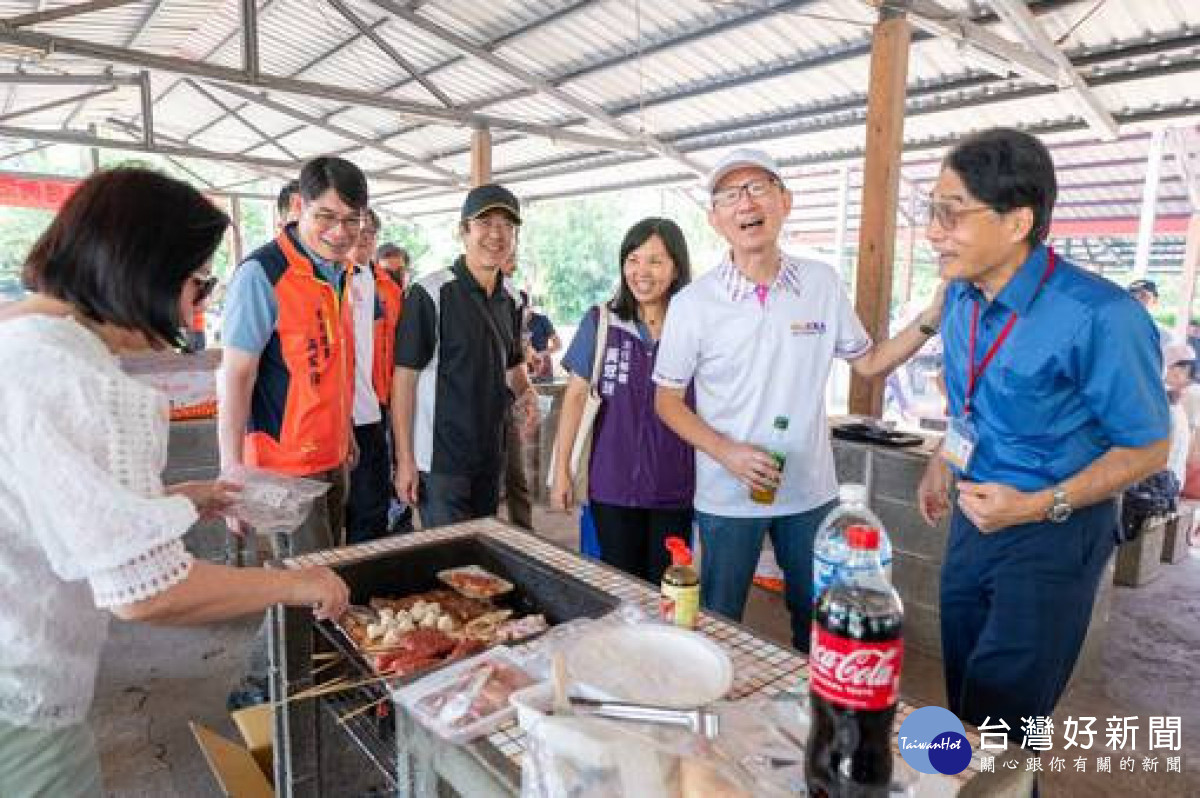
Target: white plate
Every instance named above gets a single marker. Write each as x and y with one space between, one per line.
651 664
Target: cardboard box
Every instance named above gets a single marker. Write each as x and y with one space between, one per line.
256 726
242 771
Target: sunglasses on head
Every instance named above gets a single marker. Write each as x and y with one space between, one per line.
204 286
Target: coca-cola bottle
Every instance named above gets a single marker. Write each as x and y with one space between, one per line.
854 676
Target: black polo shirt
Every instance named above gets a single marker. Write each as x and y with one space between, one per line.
463 342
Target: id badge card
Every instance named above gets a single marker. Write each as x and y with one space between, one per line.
959 443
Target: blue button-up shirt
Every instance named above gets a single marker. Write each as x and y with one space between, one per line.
1080 373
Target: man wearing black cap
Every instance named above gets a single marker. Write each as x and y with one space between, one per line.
459 362
1146 292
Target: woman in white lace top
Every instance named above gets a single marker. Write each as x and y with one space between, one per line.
86 526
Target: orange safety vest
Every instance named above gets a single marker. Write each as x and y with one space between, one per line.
301 404
390 298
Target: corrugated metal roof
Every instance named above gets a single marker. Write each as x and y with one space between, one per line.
790 75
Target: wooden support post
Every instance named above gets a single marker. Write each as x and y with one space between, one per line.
1191 264
236 245
880 191
481 156
907 266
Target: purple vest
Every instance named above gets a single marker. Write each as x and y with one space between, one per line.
636 460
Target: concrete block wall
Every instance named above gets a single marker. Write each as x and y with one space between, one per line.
916 548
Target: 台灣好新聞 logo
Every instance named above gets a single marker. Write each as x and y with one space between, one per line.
933 740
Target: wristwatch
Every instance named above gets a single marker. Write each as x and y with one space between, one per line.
1061 509
927 329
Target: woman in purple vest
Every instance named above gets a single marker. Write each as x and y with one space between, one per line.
641 475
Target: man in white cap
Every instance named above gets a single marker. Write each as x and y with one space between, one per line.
757 336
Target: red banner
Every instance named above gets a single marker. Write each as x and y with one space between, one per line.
30 192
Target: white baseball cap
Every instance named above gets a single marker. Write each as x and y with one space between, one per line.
1174 354
738 159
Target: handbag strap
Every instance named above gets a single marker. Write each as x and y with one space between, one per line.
481 305
601 343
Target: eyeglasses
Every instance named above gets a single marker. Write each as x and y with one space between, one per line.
728 197
504 225
327 219
945 214
204 287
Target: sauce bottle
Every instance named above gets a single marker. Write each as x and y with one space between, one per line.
777 448
680 602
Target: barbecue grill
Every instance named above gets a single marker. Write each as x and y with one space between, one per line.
325 746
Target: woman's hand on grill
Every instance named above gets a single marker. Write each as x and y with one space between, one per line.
323 590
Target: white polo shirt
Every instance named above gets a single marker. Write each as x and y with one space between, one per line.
754 354
366 402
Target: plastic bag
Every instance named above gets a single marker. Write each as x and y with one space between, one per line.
468 699
272 503
587 756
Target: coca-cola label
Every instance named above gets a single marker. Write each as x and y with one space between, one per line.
855 674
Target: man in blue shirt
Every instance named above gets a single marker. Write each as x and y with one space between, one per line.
1056 400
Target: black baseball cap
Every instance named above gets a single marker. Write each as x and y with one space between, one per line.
1149 286
482 199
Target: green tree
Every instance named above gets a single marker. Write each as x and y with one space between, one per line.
568 254
414 238
19 229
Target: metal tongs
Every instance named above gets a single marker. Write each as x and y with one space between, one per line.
704 722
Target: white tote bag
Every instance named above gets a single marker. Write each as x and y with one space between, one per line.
581 447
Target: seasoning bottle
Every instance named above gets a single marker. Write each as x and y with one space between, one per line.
680 602
777 448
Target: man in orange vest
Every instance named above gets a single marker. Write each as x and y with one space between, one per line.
394 260
392 269
377 303
288 366
287 372
287 205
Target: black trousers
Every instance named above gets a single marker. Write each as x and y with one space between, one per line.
451 498
634 538
370 486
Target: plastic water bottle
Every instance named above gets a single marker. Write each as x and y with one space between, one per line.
831 551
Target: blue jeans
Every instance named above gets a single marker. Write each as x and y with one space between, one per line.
731 548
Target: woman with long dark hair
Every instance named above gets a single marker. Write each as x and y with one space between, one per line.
641 475
87 529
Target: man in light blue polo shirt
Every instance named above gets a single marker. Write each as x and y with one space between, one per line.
758 336
1053 376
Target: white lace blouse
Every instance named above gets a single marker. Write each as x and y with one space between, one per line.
84 523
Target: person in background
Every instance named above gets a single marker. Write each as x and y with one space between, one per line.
391 271
376 313
87 529
1178 360
1056 404
459 363
286 385
1146 293
544 341
516 482
287 205
758 336
396 262
196 338
641 475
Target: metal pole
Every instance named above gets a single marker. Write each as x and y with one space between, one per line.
843 202
1141 259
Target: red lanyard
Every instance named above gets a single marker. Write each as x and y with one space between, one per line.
974 372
